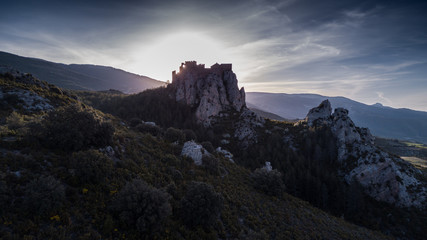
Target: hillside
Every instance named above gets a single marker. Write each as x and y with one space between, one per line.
383 121
328 162
80 77
68 171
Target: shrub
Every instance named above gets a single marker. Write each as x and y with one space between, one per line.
5 197
208 146
201 205
91 166
141 206
211 164
270 182
15 121
133 122
148 128
73 128
43 195
189 135
174 135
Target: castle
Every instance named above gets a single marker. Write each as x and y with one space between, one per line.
199 70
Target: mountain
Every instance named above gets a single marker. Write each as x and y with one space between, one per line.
382 121
80 77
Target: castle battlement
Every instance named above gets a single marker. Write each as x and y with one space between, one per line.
200 70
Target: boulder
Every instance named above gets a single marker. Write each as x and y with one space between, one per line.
194 151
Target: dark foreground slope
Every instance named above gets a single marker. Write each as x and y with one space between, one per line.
96 190
80 77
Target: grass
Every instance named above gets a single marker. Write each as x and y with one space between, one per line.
416 145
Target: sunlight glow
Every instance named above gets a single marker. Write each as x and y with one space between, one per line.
160 58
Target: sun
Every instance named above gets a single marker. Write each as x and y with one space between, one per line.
159 58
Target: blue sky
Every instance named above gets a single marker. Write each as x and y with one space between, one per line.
370 51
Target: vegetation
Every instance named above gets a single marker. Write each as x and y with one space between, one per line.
141 206
201 205
269 182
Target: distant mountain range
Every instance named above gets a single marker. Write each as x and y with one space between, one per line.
383 121
80 77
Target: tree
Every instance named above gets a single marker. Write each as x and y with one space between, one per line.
142 206
201 205
74 128
269 182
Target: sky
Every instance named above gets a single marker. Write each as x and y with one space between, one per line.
369 51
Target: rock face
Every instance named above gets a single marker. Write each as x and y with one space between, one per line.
320 113
214 94
209 90
384 177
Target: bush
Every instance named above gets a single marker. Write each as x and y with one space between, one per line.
208 146
211 164
201 205
270 182
91 166
189 135
133 122
43 195
148 128
174 135
73 128
5 197
141 206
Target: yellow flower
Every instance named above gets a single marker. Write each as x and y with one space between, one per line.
56 217
85 190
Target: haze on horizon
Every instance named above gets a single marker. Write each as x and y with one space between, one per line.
369 51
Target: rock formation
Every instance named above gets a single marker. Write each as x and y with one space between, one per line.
213 93
320 113
194 151
384 177
209 90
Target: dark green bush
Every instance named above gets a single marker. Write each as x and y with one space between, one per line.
148 128
174 135
133 122
5 197
270 182
142 206
211 164
201 205
43 195
74 128
189 135
91 166
208 146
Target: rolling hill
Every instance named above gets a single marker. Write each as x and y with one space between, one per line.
405 124
78 76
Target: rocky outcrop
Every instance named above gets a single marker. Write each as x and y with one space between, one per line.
320 113
209 90
194 151
384 177
214 94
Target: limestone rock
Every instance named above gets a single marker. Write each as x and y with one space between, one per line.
194 151
384 177
319 113
268 167
209 90
225 153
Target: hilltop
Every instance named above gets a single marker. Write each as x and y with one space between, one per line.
78 76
